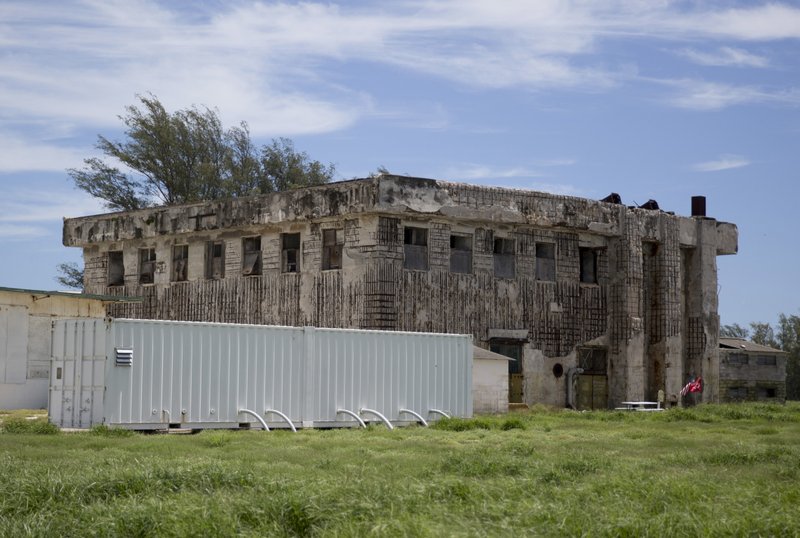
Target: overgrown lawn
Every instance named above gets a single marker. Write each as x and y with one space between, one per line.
710 470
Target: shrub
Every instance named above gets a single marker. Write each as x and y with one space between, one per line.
104 431
23 425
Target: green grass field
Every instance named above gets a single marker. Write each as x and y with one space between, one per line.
710 470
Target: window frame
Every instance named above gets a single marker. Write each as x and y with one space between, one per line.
461 247
210 258
112 263
504 254
254 268
286 265
415 248
332 251
149 263
540 261
174 276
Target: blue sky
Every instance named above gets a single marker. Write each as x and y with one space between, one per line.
650 99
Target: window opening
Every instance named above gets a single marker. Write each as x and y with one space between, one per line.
588 261
737 393
545 261
332 242
180 262
251 259
766 360
215 260
767 392
290 252
147 265
116 269
461 254
504 259
415 248
737 359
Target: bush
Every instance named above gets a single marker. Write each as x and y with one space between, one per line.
23 425
104 431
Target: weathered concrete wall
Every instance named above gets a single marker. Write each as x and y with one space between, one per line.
652 305
25 341
743 376
489 386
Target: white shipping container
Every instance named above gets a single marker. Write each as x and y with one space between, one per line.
144 374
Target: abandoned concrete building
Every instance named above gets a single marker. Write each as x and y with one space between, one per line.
750 371
597 302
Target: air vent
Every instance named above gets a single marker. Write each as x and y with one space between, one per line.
124 357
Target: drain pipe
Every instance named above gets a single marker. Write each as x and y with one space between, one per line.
256 415
572 374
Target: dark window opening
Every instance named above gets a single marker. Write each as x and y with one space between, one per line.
180 263
766 360
251 257
737 393
593 360
545 261
290 253
767 392
415 248
116 269
332 242
215 260
588 265
558 369
147 265
504 257
737 359
461 254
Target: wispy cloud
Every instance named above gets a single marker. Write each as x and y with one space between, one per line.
705 95
724 162
25 214
17 232
77 64
725 56
470 172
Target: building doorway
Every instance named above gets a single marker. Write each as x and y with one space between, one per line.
592 389
515 377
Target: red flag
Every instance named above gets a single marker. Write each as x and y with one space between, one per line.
695 385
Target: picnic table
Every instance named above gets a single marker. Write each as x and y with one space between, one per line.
640 406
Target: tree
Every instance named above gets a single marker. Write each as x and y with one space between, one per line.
788 337
733 331
763 334
71 275
188 156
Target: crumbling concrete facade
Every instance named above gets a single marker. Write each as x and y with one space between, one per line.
617 302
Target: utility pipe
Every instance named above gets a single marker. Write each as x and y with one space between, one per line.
438 412
258 417
284 417
414 414
352 414
377 414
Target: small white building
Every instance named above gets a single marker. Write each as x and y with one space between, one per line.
25 339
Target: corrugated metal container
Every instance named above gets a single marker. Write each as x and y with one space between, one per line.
150 374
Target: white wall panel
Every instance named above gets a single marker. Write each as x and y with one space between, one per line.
203 374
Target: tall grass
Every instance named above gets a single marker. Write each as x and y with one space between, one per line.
709 470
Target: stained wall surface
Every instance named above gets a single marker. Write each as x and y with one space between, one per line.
627 294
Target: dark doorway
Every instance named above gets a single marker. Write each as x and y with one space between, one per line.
515 377
592 390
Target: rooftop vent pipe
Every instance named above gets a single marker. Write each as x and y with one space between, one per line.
698 206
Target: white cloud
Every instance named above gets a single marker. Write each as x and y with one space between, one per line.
31 206
478 171
724 162
725 56
77 64
704 95
16 232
